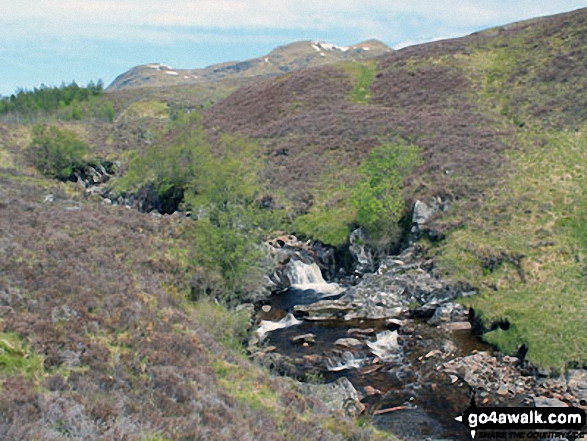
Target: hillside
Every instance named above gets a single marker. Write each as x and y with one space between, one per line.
98 339
138 247
281 60
499 117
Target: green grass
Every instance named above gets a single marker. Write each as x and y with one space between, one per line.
16 358
363 74
537 213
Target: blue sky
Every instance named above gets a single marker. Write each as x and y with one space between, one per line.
50 41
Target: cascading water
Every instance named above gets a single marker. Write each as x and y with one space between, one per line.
305 276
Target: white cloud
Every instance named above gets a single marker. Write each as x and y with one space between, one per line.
128 18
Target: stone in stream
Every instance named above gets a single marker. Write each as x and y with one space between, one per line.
348 342
309 339
360 332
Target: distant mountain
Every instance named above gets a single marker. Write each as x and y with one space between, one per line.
281 60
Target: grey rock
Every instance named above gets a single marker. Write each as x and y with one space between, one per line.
304 338
422 212
577 383
339 396
362 256
548 402
449 312
458 326
348 342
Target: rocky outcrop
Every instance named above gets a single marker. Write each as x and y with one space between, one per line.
339 396
363 260
421 214
577 385
399 285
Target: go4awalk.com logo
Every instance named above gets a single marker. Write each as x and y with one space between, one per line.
524 423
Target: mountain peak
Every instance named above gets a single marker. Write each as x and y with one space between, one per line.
283 59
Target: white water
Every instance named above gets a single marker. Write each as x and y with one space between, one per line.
303 276
267 326
386 346
346 361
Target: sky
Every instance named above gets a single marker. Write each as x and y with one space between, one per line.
54 41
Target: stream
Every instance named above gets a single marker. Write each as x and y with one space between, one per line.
391 363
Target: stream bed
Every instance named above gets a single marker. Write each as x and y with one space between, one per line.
394 345
426 400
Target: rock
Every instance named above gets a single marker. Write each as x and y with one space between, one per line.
503 390
360 332
433 353
458 326
370 390
548 402
394 323
406 330
306 339
422 212
449 312
339 396
577 383
266 308
324 310
362 256
453 378
348 342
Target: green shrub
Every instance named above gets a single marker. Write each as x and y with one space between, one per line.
57 153
378 194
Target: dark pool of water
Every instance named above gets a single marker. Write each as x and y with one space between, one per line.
288 299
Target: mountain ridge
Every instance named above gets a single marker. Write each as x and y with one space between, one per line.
283 59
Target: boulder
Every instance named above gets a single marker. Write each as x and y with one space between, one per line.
449 312
548 402
339 396
577 383
348 342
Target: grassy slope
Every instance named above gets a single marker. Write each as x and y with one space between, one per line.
499 117
97 340
526 245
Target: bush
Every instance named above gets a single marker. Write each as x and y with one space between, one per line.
378 195
57 153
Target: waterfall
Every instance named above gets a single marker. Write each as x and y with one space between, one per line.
305 276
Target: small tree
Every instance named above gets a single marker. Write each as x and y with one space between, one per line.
378 195
57 153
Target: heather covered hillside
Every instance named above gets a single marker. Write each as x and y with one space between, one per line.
304 246
98 337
